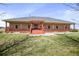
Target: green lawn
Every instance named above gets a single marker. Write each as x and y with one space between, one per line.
58 45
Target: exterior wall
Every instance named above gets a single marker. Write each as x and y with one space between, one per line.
21 27
43 27
56 27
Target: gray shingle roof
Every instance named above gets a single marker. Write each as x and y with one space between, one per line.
46 19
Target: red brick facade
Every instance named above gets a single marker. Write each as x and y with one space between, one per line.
37 27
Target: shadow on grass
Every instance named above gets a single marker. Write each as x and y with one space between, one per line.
4 48
70 38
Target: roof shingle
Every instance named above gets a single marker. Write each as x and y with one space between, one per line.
46 19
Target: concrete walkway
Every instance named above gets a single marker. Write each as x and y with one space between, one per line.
49 34
46 34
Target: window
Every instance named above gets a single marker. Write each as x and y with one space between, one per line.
16 26
28 26
56 27
35 26
48 27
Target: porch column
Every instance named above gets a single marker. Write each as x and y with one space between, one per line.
42 27
30 27
74 26
21 27
64 27
6 27
68 27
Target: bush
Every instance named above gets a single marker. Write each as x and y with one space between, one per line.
74 30
1 31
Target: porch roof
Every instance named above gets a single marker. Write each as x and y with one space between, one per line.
45 19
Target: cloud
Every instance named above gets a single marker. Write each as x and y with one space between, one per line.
72 15
33 8
5 16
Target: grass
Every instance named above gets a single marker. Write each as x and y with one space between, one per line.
2 30
23 45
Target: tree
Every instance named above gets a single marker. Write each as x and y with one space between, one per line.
74 6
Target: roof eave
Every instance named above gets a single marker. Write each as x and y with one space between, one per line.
61 22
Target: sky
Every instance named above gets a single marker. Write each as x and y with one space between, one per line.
53 10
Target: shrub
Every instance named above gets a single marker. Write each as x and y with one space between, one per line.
1 31
74 30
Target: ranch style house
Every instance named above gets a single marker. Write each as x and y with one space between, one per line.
37 25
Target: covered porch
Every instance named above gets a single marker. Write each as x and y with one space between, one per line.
37 27
34 27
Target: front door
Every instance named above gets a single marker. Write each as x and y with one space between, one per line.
35 26
37 29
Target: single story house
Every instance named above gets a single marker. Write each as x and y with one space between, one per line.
37 25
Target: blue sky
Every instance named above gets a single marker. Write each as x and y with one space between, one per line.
59 11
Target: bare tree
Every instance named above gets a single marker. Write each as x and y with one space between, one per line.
74 6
